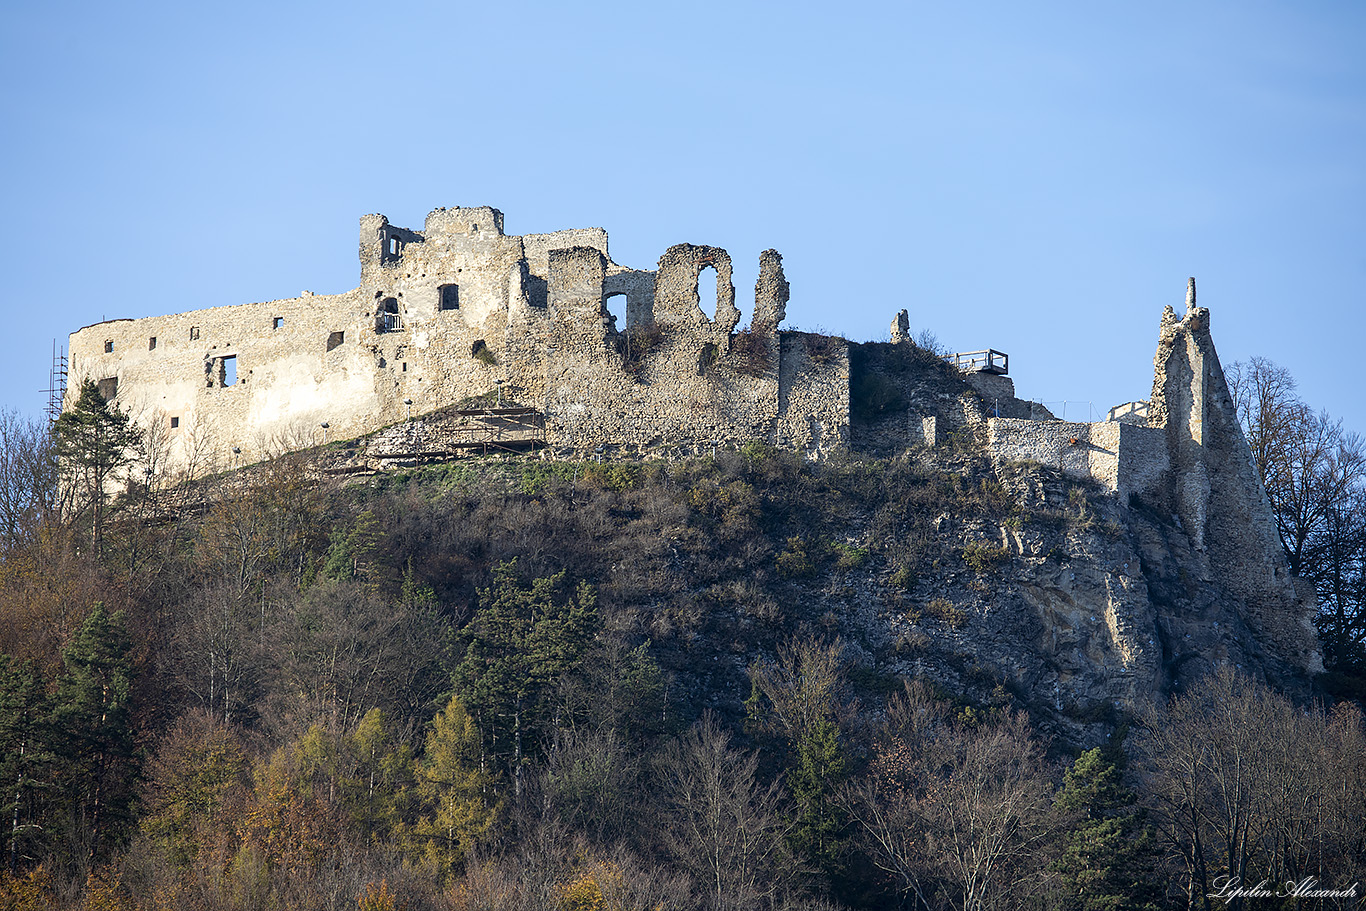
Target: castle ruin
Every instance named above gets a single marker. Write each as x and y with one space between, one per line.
460 335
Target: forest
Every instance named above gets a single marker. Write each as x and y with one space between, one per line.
508 682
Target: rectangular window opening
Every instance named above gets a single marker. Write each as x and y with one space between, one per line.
228 368
175 422
152 343
277 322
194 333
335 339
108 347
450 297
109 388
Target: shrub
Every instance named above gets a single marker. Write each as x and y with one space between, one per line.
793 562
822 348
982 556
904 577
847 557
943 609
751 354
380 899
636 343
480 352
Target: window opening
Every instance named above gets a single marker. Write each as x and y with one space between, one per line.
194 333
450 297
387 318
393 246
277 322
706 290
152 343
616 308
335 339
175 422
109 388
227 367
108 346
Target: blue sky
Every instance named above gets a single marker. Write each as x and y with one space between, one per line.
1039 178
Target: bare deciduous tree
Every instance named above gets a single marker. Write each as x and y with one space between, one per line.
28 477
953 809
1307 462
725 827
1246 785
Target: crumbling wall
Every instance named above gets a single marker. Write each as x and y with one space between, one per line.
290 377
693 382
462 314
1215 492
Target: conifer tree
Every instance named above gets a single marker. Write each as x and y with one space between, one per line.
91 713
93 442
456 790
1107 857
25 756
518 645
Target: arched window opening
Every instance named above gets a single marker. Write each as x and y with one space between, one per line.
706 290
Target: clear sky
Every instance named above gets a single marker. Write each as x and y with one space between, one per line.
1036 177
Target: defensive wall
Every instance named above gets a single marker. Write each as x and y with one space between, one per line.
462 313
460 334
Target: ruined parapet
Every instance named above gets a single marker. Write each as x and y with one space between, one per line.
901 328
771 293
538 246
812 393
1130 413
997 392
382 244
637 286
575 290
469 221
676 295
1214 490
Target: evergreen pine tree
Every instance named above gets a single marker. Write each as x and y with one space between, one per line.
93 442
819 770
1107 858
518 645
25 757
91 714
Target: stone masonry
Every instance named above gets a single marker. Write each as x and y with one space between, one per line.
462 313
462 317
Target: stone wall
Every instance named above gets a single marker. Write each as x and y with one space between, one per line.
1124 458
1215 492
1087 451
460 312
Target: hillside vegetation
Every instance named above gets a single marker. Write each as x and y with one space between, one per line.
744 681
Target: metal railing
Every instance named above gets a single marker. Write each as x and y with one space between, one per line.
988 361
388 322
